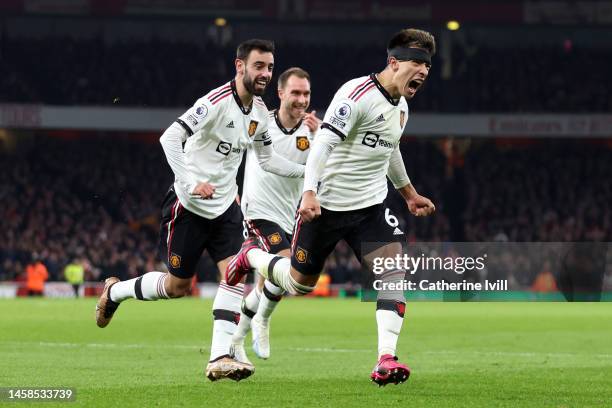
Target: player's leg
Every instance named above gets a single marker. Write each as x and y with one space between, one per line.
378 236
226 305
271 295
181 245
247 312
279 243
274 240
251 301
258 306
298 275
390 307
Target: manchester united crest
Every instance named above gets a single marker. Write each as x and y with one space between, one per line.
275 238
252 127
301 254
402 119
175 261
302 143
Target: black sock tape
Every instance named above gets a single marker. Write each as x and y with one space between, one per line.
138 288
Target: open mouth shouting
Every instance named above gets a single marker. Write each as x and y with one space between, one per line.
414 85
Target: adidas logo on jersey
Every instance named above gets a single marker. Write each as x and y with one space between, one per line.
230 125
381 118
397 231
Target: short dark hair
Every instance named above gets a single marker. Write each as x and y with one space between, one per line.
412 37
295 71
245 48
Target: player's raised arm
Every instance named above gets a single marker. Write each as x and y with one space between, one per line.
271 161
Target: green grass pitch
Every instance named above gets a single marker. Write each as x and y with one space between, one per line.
461 354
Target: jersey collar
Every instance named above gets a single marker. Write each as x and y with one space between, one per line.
244 110
282 128
384 91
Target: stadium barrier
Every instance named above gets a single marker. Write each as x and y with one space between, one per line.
425 124
208 290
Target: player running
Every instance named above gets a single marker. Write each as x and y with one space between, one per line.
345 188
200 211
269 202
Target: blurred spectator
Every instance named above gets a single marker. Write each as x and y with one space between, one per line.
36 275
545 281
74 273
162 72
95 197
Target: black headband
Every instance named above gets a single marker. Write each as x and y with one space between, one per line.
407 54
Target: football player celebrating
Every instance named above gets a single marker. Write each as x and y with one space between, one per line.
345 187
204 148
269 202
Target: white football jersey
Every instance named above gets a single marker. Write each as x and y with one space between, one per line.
370 124
266 196
219 128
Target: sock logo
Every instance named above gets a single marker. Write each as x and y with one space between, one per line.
301 254
175 261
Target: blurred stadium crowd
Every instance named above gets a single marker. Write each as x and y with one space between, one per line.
174 73
96 202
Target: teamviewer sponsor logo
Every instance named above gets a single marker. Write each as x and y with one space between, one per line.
384 143
370 139
224 148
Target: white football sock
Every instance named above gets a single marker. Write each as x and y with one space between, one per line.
150 286
260 260
266 304
251 303
226 312
277 269
389 327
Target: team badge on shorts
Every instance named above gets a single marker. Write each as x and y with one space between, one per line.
402 119
301 254
175 261
275 238
302 143
252 127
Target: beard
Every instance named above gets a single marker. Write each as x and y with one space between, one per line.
249 85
